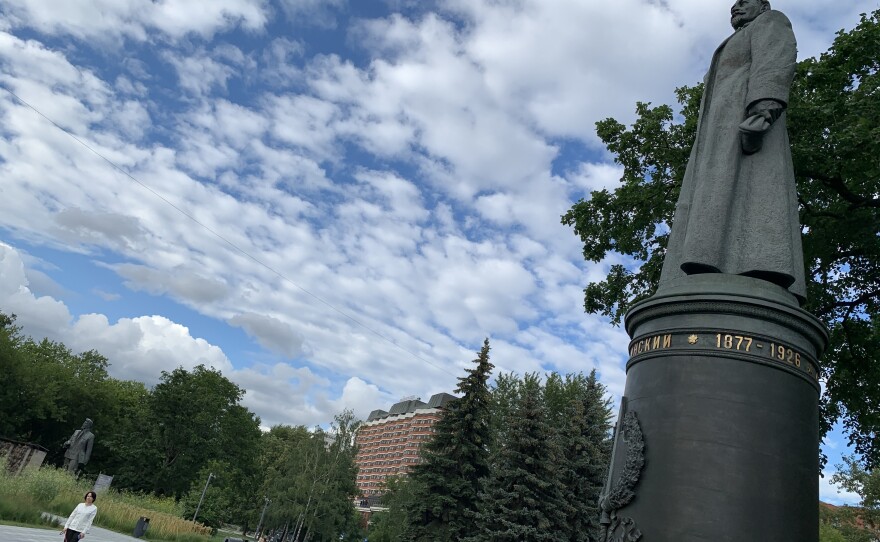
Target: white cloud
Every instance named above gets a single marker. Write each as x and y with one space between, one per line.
590 177
201 72
39 316
320 13
140 348
833 494
179 282
79 226
103 20
270 332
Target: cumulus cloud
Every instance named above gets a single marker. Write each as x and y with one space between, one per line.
270 332
179 282
201 71
39 316
138 348
80 226
104 20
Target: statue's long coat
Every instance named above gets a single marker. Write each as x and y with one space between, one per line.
738 213
80 446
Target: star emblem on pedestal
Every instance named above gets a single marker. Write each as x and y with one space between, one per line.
693 339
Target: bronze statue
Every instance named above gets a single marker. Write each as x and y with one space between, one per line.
79 447
737 212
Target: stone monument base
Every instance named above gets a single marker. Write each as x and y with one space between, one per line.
722 379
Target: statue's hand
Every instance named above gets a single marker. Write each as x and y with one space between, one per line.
761 116
751 133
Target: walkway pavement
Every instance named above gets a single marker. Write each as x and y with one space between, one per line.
28 534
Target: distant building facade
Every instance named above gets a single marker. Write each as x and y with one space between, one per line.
389 442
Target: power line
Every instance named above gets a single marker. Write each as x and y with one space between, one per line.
224 239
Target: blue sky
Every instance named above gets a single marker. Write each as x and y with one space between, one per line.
391 174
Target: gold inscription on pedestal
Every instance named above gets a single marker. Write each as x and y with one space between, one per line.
755 347
657 342
744 343
733 342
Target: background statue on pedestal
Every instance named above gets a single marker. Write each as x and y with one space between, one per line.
79 447
738 212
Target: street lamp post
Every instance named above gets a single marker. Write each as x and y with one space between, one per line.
202 498
263 513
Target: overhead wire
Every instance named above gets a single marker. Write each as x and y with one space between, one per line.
231 244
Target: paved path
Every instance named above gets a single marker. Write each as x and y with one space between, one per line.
27 534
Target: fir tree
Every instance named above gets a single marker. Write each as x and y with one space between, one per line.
586 450
447 483
523 499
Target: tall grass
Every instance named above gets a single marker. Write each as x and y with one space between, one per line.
24 497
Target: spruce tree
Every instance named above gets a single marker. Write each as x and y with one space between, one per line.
523 499
447 483
585 441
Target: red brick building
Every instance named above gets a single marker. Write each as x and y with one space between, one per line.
389 442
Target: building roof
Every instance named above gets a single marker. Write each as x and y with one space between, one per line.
438 400
404 407
376 414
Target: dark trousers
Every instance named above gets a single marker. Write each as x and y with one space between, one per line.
71 536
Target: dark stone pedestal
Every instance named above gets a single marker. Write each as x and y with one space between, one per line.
722 378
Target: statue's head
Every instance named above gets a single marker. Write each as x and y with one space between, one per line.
744 11
87 424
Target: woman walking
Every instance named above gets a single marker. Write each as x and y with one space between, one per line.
80 520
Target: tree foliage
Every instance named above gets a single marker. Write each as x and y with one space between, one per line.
834 127
455 462
523 499
196 418
848 524
584 439
310 480
535 472
852 476
577 411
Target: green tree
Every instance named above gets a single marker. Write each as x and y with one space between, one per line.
585 441
504 393
310 479
834 125
215 506
447 483
333 517
827 533
390 525
578 411
847 524
195 418
12 417
46 391
852 476
522 500
122 426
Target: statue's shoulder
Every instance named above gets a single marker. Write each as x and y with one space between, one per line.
773 18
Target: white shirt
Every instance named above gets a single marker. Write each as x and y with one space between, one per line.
81 518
